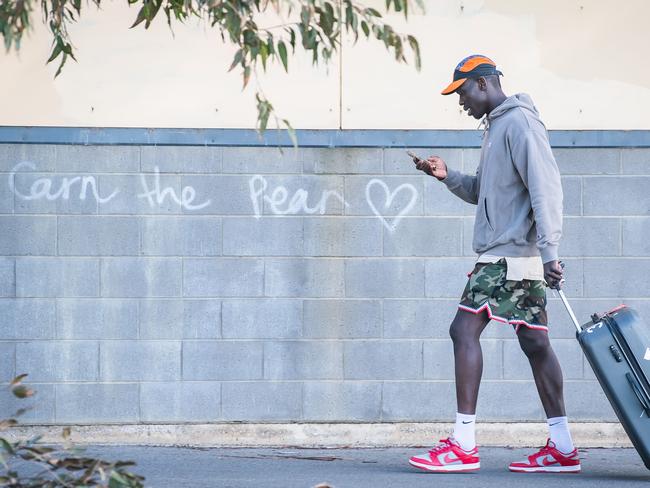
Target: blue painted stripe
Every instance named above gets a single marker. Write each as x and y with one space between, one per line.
306 138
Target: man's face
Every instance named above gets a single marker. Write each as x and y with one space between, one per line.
473 97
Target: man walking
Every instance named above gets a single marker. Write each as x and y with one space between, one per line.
517 231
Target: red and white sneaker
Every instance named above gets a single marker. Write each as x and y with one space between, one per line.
447 457
548 460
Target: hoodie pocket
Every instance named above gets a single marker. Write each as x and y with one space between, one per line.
487 215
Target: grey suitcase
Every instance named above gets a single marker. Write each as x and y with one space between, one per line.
617 346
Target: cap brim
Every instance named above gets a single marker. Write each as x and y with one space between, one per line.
453 86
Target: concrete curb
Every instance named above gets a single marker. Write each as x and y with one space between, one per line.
321 435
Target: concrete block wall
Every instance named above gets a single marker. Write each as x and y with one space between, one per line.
195 284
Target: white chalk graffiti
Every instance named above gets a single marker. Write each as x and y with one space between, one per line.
279 197
279 200
298 202
42 188
188 193
390 196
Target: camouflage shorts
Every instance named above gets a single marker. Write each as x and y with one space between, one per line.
510 302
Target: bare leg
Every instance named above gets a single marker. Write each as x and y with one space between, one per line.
546 369
465 331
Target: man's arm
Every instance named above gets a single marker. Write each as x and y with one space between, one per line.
534 161
463 186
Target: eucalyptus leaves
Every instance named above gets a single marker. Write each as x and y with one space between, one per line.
313 25
31 464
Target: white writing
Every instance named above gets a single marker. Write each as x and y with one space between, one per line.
42 187
276 200
278 197
185 201
390 197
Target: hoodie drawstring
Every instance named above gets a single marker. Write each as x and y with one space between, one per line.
485 125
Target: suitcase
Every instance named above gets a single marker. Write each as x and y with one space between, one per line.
617 346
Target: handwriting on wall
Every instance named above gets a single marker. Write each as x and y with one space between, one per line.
278 197
277 200
388 201
43 188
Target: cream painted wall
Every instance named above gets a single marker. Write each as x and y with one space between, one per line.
582 61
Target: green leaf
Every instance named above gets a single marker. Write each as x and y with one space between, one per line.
329 10
264 54
249 37
247 75
291 132
55 52
349 14
415 46
270 44
67 48
239 55
365 28
140 18
152 14
282 51
7 446
61 64
293 40
305 15
21 391
18 379
70 13
7 38
117 481
264 109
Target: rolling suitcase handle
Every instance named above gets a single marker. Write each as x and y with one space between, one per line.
567 306
570 310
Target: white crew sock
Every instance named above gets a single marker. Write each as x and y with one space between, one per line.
558 428
464 431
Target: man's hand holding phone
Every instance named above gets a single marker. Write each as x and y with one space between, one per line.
433 166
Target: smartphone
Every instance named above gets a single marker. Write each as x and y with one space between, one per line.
413 155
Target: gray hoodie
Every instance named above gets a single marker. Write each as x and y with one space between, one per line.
517 185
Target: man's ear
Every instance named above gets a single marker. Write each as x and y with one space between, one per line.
482 83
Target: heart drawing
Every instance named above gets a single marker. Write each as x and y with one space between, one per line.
390 196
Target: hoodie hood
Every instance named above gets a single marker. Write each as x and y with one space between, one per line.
521 100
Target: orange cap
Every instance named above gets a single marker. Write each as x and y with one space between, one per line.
473 66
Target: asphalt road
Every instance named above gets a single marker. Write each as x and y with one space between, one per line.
175 467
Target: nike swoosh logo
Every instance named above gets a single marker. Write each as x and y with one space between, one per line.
548 461
449 459
468 422
551 425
